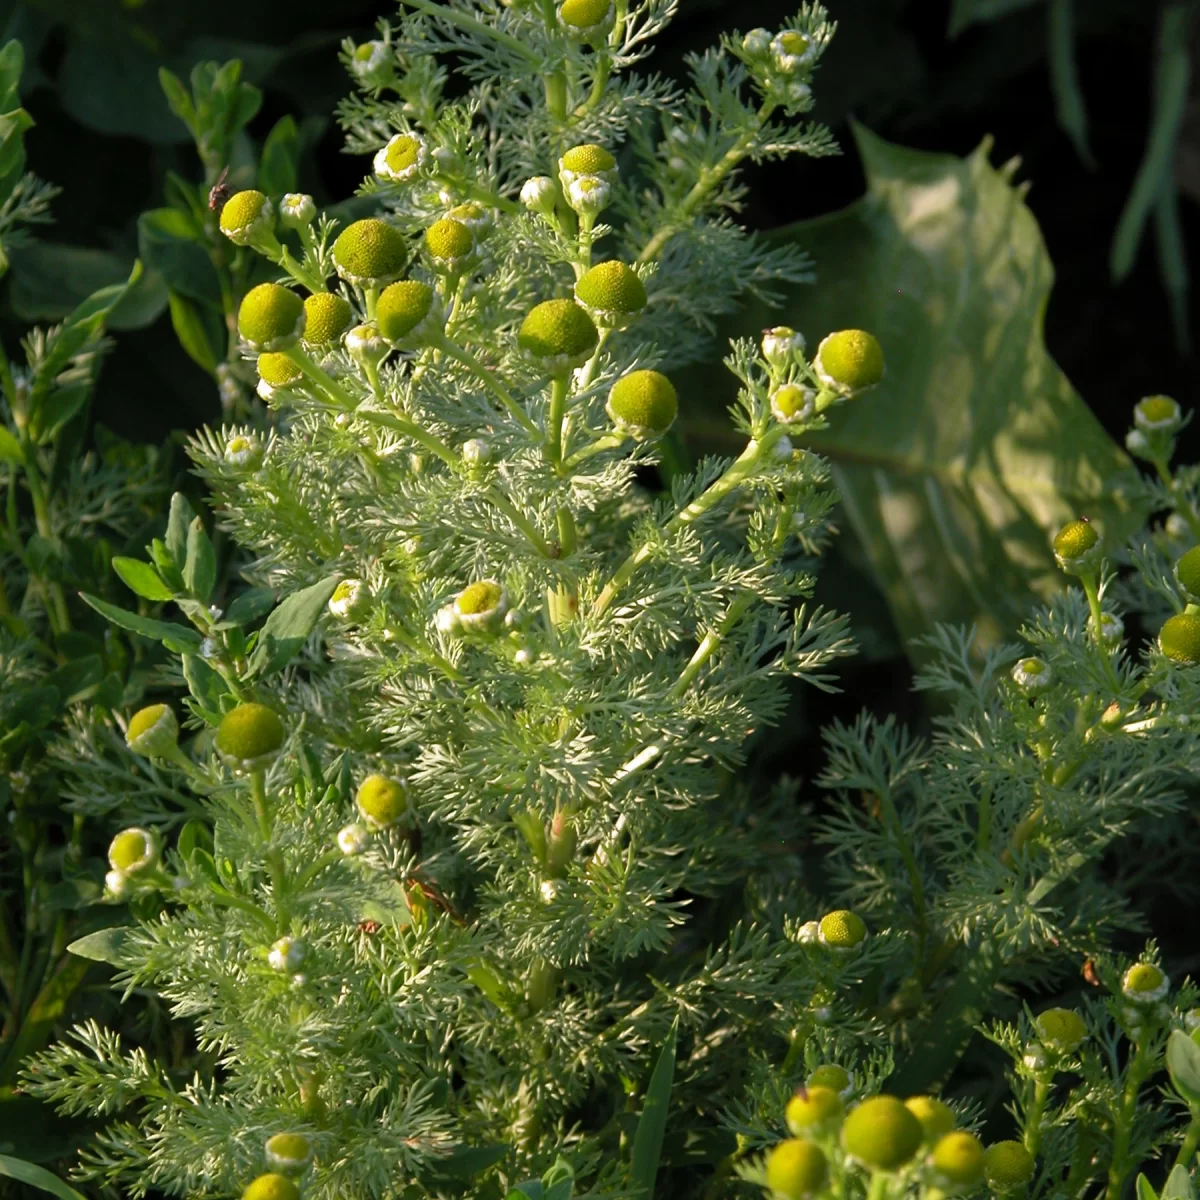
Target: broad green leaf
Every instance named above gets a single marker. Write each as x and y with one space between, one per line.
1178 1185
37 1177
12 63
141 579
178 99
175 637
530 1189
1144 1189
195 334
13 126
280 158
956 471
43 1014
968 12
1183 1065
180 518
10 448
250 605
170 242
647 1142
105 945
200 565
287 628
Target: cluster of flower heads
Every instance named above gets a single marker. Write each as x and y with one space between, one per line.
836 1135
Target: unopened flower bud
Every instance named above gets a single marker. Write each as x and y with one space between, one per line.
881 1134
1187 574
476 452
370 253
849 362
642 404
539 194
297 210
407 312
587 20
134 850
372 64
586 160
271 1187
480 607
401 159
1144 984
381 801
1077 547
1112 628
271 317
589 195
1060 1029
244 451
287 955
792 52
1032 675
353 839
153 731
783 347
365 344
288 1153
1157 415
796 1170
117 885
841 930
250 736
757 44
793 403
830 1075
350 599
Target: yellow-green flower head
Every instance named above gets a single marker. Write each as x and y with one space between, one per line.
539 194
402 158
474 216
793 403
153 731
370 253
1187 574
1008 1165
1032 675
288 1153
271 317
642 404
1077 547
243 451
365 344
783 347
480 606
349 600
830 1075
1157 414
353 839
247 216
796 1169
272 1187
381 801
327 316
559 335
250 736
849 362
134 850
588 159
1144 983
296 210
589 195
613 294
841 930
1179 638
406 311
937 1118
792 52
276 372
449 244
1060 1029
814 1110
587 20
372 63
117 886
958 1161
881 1134
287 955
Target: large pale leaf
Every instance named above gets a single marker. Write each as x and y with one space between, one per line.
956 471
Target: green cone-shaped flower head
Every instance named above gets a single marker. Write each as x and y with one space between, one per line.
1144 983
830 1075
271 317
882 1134
271 1187
278 370
1077 547
288 1153
643 404
558 335
814 1110
449 244
402 311
327 316
246 216
841 930
381 801
480 607
588 159
937 1118
613 294
370 253
849 361
958 1161
1179 638
153 731
134 850
250 736
1187 574
1032 675
1060 1029
796 1169
474 216
587 20
1008 1165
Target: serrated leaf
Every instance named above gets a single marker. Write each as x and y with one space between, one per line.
1183 1065
955 472
141 579
105 945
37 1177
200 564
287 628
652 1126
179 638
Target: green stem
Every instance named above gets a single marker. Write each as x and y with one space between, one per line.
1135 1075
485 376
328 386
709 645
593 363
471 25
983 838
554 419
916 884
599 83
412 430
1033 1119
1183 508
710 178
556 95
60 618
522 522
262 813
1093 598
1191 1139
879 1188
610 441
742 469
